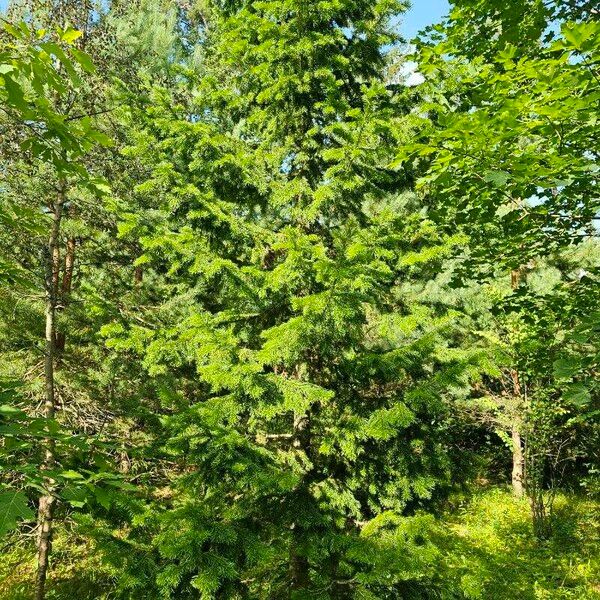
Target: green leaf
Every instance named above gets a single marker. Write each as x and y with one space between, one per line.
75 495
84 60
70 474
577 394
16 96
103 140
70 35
582 36
566 367
498 178
102 497
9 410
54 49
12 30
99 186
13 507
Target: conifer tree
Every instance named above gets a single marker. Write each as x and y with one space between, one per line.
303 376
277 346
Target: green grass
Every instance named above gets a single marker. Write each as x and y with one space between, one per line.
492 554
487 552
76 572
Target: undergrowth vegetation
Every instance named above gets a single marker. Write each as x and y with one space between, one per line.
483 548
491 552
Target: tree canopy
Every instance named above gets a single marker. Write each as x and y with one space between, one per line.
277 323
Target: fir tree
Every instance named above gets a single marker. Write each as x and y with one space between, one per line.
317 375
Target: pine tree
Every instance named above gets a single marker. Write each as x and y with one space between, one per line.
58 254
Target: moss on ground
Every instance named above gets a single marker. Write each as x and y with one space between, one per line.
492 554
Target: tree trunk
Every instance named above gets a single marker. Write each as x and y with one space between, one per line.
518 475
45 516
518 458
299 565
138 275
46 504
515 278
67 282
299 571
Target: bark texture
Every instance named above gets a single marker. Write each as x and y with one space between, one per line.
47 501
518 469
518 456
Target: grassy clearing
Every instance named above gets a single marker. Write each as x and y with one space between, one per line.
492 554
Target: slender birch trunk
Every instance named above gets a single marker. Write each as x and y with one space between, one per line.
47 502
65 289
518 457
518 469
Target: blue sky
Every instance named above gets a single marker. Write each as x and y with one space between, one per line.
422 13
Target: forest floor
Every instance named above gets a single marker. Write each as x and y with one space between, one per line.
487 552
492 554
